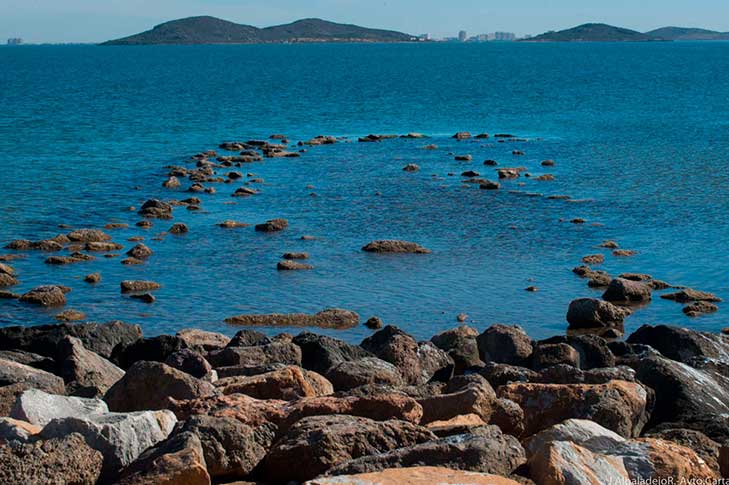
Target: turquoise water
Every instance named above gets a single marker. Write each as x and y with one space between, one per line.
642 130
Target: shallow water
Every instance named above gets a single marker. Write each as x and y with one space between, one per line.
639 129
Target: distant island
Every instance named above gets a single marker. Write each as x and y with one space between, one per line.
686 33
596 32
211 30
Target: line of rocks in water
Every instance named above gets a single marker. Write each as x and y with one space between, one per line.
100 403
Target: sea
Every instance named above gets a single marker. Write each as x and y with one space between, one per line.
639 133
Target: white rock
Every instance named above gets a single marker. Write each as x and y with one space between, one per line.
38 407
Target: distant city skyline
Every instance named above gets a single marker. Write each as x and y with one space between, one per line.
98 20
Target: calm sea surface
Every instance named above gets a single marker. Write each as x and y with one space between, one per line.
642 130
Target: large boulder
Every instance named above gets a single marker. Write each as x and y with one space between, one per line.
416 475
150 385
350 374
248 338
682 344
231 449
476 396
85 373
627 291
320 353
154 349
547 355
686 396
617 405
203 341
593 350
37 361
244 409
335 318
66 459
177 460
597 316
44 339
315 444
191 362
16 378
708 449
120 437
40 408
485 449
418 362
582 452
288 383
258 355
461 345
505 344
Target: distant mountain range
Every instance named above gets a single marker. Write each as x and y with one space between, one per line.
211 30
607 33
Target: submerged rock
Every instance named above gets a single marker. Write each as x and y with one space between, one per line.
272 225
131 286
289 265
330 318
688 295
394 246
627 291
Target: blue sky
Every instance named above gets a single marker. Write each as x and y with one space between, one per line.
97 20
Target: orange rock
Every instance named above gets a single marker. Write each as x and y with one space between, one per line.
462 420
291 382
421 475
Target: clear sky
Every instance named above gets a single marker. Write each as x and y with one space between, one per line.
98 20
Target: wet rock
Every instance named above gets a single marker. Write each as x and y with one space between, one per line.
273 225
140 251
190 362
179 460
85 373
349 374
617 405
548 163
70 316
418 362
465 158
547 355
461 345
489 185
179 228
329 318
316 444
150 385
462 135
40 408
120 437
411 167
105 247
545 178
231 449
699 308
688 295
92 278
144 297
171 183
596 315
244 192
374 323
47 296
156 209
296 256
24 245
288 383
88 235
624 253
593 259
490 163
627 291
508 173
7 280
484 450
505 344
67 459
9 295
259 355
45 339
320 353
232 224
156 349
134 286
320 140
394 246
73 258
290 265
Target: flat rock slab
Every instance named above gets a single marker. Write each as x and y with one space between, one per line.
419 475
40 408
330 318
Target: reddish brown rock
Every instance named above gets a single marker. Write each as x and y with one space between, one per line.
288 383
394 246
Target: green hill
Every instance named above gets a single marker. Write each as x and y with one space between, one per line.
594 33
211 30
687 33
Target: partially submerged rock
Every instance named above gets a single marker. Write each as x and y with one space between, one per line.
330 318
394 246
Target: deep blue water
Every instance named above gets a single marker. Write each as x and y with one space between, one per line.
642 130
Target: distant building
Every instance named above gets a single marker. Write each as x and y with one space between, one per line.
15 41
425 37
462 36
504 36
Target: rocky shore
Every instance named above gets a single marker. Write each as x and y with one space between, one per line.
99 403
